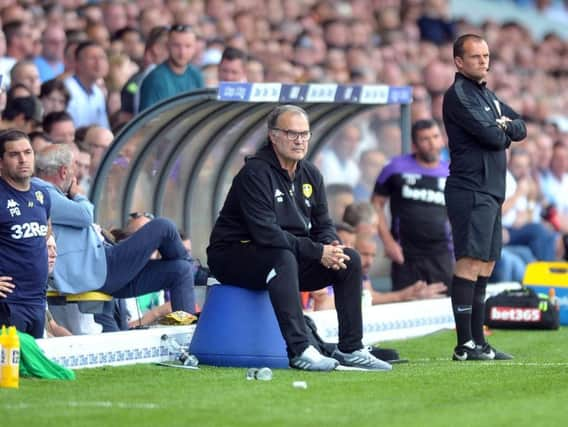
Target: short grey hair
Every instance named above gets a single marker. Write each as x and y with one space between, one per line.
281 109
51 158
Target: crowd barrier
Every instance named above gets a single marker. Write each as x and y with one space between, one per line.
401 320
392 321
383 322
114 348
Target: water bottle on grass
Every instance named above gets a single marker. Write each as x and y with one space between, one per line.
179 352
261 374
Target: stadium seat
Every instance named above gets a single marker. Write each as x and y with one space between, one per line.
237 327
550 278
88 302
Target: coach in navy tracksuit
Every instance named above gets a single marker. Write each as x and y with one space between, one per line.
274 232
480 128
24 214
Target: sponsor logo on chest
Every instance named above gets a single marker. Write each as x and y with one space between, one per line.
13 208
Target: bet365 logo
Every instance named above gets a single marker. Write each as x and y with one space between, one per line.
515 314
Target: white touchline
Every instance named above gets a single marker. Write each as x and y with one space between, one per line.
109 404
494 362
76 404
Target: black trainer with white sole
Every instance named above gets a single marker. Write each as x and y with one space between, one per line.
469 351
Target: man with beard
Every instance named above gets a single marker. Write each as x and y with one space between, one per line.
24 212
419 241
175 75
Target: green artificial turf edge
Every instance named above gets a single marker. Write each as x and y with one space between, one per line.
430 390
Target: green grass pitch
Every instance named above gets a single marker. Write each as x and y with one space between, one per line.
430 390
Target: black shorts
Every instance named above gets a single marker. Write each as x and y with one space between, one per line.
476 224
431 269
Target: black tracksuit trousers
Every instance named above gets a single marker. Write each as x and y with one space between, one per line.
253 267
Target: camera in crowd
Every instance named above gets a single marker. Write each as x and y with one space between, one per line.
200 275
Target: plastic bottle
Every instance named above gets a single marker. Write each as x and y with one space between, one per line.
552 297
11 359
251 374
262 374
179 352
300 384
191 360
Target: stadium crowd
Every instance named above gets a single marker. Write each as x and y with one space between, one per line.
75 71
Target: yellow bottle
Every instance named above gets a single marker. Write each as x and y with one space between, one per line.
11 359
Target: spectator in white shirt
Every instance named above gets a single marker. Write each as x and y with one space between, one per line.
88 104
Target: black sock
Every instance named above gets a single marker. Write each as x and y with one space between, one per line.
462 299
478 310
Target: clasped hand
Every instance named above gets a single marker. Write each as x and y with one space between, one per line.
333 256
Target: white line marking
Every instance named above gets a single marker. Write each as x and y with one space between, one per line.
76 404
496 362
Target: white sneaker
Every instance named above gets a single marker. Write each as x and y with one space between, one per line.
361 359
313 360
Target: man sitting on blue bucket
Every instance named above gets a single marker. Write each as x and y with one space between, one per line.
274 232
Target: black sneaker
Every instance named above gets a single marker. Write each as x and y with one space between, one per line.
492 353
469 351
387 354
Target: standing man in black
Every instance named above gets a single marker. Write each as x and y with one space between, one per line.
480 128
274 232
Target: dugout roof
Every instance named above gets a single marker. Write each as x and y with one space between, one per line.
177 158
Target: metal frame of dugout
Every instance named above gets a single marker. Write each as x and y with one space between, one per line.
177 158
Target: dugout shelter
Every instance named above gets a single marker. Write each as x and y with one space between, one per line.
177 158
